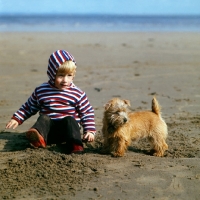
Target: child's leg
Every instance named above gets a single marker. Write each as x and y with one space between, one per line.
43 126
71 132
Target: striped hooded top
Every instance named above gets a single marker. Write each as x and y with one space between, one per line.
56 103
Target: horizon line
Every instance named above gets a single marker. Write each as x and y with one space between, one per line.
97 14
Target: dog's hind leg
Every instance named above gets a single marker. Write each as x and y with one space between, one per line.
159 146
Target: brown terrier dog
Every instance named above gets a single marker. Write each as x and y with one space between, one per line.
120 126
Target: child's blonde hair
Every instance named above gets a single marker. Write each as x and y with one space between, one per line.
67 68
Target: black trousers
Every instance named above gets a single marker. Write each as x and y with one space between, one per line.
58 131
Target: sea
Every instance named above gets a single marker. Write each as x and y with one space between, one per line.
98 23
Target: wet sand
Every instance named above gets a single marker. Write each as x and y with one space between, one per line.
134 66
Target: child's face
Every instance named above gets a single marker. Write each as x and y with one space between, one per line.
63 81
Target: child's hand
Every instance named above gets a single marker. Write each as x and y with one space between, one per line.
12 124
88 137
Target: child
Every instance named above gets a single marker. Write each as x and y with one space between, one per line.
62 106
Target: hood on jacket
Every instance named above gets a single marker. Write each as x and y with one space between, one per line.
56 59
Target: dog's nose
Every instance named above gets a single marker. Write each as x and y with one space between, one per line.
125 120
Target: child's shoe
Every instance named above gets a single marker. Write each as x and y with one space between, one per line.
77 149
35 139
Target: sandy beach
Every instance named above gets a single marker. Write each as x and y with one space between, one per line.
133 66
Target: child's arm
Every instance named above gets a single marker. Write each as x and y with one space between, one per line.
86 114
12 124
88 137
29 108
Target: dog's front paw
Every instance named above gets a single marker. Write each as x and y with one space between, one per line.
117 154
158 154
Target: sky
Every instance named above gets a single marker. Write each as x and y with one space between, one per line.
130 7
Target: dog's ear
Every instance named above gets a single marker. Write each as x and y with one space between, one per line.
107 106
127 102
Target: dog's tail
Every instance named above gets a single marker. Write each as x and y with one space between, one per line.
156 107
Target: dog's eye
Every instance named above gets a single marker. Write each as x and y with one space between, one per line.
115 114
